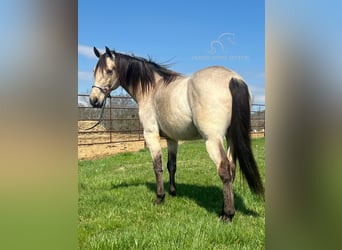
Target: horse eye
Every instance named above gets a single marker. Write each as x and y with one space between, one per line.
109 71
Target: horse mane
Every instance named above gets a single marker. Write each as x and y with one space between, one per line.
132 71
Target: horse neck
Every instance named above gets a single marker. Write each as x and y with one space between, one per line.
138 94
135 95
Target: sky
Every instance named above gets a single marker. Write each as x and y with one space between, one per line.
189 35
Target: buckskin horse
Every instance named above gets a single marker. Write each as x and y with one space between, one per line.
212 103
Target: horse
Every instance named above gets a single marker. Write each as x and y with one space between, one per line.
212 103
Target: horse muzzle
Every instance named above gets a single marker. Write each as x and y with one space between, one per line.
95 102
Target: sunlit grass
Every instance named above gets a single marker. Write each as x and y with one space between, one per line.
116 210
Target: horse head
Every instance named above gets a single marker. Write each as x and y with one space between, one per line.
105 77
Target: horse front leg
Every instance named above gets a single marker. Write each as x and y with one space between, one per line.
172 147
153 143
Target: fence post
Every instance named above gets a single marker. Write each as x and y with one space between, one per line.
110 119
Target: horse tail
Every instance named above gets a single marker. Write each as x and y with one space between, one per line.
239 132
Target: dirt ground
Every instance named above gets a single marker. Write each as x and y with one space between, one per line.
96 151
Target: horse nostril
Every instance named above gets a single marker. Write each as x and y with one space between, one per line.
94 102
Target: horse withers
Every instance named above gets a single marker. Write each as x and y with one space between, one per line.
213 103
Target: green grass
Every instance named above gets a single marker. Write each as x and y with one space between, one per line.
116 210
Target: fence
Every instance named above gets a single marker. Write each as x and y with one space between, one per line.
120 122
258 119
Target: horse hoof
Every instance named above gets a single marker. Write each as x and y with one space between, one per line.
173 192
227 217
159 200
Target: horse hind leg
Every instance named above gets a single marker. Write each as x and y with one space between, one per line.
172 147
217 154
231 155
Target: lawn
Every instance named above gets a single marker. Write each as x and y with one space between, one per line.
116 208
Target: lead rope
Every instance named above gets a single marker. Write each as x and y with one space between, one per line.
106 91
100 118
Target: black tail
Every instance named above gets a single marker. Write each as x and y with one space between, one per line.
239 133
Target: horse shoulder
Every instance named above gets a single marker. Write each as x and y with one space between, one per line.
147 116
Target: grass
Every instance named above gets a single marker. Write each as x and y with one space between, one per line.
116 210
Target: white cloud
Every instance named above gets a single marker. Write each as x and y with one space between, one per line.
83 101
86 76
258 94
259 99
87 51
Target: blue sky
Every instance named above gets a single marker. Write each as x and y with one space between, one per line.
189 34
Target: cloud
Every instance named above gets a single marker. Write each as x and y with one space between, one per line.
83 101
258 94
87 51
259 99
86 76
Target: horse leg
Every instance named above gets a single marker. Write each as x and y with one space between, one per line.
172 147
217 154
153 143
231 156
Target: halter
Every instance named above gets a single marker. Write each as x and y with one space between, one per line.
106 91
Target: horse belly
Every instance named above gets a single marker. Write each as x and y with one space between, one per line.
174 113
179 129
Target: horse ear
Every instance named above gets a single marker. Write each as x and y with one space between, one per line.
108 52
97 53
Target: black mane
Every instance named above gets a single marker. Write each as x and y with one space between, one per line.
132 71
